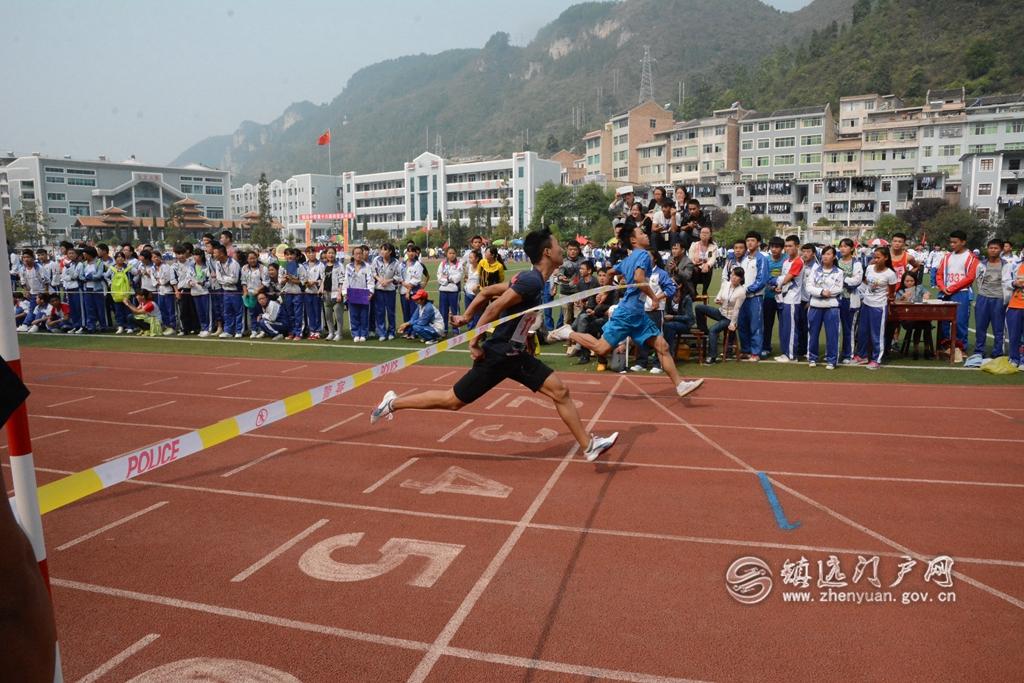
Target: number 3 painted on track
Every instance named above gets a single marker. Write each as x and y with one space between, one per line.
491 433
318 563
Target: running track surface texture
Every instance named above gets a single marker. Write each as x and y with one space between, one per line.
479 546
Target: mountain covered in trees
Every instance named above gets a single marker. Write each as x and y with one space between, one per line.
585 66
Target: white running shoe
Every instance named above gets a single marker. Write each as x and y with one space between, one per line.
812 364
34 328
572 349
238 335
254 335
260 335
384 409
657 371
685 388
168 331
830 367
560 334
204 334
119 330
278 337
598 445
782 359
22 328
224 335
637 368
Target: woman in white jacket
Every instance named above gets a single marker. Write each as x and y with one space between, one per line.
825 287
730 298
849 300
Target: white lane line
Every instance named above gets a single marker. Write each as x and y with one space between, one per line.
236 384
496 402
241 614
361 636
119 658
257 461
44 436
277 552
297 367
158 405
536 525
74 400
409 391
447 374
462 613
229 365
1008 417
829 511
380 482
108 527
338 424
455 431
157 381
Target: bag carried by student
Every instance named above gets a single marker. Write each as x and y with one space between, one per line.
120 286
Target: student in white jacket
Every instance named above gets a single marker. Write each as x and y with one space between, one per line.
849 300
824 284
730 299
449 281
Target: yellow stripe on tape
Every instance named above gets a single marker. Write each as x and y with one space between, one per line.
298 402
411 358
219 432
362 377
59 493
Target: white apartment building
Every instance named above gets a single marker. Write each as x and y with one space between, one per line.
429 186
306 193
993 182
786 144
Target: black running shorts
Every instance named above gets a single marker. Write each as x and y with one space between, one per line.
493 368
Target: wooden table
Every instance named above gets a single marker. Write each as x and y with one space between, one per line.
939 311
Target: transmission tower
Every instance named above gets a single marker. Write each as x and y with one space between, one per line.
646 78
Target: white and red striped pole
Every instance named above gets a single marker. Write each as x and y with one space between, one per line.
19 442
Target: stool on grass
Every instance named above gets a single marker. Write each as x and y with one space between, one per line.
726 334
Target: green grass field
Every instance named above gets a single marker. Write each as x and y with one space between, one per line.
900 371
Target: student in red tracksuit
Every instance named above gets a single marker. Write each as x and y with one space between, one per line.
955 275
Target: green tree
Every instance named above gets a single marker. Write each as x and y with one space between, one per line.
922 211
590 205
861 9
504 219
954 218
263 232
458 234
1012 227
740 223
376 236
889 224
474 220
552 144
552 207
979 58
173 232
26 226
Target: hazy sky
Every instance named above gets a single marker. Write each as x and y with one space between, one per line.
151 77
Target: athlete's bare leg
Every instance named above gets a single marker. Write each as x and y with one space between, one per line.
439 399
554 389
668 364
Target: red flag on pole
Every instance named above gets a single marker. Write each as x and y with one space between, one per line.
324 139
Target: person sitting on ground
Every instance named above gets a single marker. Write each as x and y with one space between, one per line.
21 311
269 322
730 299
146 314
56 321
427 324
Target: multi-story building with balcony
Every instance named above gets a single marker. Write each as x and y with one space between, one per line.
430 187
786 144
993 183
306 193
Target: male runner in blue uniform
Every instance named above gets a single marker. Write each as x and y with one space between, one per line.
507 354
629 319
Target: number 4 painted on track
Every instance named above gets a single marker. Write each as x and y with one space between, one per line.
318 563
475 485
494 433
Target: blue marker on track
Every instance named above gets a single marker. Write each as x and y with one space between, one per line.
780 516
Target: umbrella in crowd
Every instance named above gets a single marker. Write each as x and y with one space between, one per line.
498 243
878 242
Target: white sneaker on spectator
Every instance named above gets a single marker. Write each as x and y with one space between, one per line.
830 367
598 445
238 335
278 337
560 334
22 328
657 371
169 332
685 388
637 368
181 333
254 334
224 335
119 330
812 364
384 408
782 359
572 349
259 335
34 328
846 361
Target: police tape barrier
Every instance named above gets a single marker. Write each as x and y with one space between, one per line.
74 487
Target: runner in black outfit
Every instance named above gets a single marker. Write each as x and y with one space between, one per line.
507 353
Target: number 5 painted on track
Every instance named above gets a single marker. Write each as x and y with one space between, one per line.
318 563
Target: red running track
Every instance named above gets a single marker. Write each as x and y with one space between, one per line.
504 557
